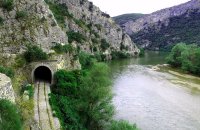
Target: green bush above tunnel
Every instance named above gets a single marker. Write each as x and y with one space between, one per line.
34 53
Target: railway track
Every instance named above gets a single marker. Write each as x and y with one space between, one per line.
42 110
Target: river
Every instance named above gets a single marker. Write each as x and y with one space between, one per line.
155 98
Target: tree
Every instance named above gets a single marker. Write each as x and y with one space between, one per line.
187 57
82 99
96 93
175 56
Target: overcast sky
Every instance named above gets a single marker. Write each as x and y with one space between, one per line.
117 7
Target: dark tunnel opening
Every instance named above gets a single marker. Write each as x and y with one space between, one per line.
43 73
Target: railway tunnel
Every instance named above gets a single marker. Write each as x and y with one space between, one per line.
42 73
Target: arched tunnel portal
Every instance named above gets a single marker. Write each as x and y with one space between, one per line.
42 73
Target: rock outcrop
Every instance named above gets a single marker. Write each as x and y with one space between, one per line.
6 90
39 22
28 21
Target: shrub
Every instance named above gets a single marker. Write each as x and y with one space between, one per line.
95 41
96 34
86 60
75 36
121 125
58 48
105 15
98 57
91 6
80 23
104 44
7 4
89 26
29 88
10 118
21 15
1 21
20 61
123 47
7 71
98 26
142 52
34 53
119 55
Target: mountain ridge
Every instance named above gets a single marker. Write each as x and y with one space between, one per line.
164 28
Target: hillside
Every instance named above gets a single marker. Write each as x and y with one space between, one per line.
124 18
164 28
46 23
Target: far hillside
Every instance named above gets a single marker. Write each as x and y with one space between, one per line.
122 19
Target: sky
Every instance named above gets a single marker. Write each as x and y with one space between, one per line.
118 7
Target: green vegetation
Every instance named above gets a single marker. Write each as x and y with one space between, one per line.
1 21
98 26
58 48
104 44
95 41
7 4
10 117
81 99
7 71
142 52
122 125
123 47
21 14
20 61
187 57
75 36
95 34
60 11
119 55
81 23
29 88
89 26
86 60
34 53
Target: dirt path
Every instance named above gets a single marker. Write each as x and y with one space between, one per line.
43 112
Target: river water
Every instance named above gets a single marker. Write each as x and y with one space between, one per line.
155 98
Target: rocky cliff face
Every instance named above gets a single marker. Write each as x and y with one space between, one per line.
46 23
164 28
96 26
6 90
28 21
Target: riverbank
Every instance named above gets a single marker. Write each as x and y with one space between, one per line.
187 80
